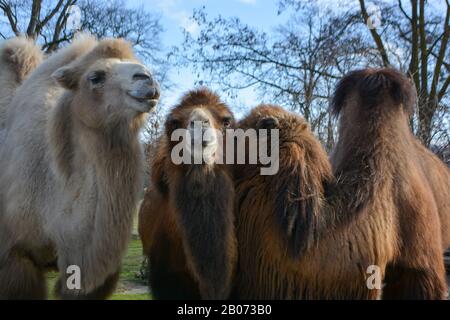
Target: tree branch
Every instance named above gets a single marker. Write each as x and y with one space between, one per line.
49 16
34 18
441 55
376 37
444 89
414 63
6 7
423 49
403 10
60 24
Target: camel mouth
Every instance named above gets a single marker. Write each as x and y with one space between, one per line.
149 102
203 143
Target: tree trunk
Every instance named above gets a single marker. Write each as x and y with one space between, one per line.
426 110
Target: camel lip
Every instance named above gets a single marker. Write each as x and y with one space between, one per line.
150 102
204 142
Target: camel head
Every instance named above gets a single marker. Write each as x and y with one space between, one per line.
294 193
109 85
370 93
297 143
205 118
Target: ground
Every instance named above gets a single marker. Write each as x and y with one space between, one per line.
131 286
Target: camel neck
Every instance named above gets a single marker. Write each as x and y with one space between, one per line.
370 142
365 159
114 155
112 166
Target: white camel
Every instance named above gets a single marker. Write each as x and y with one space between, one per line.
71 169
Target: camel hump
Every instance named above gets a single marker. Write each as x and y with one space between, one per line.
373 87
18 58
21 55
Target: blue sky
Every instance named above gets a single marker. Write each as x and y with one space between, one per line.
261 14
175 16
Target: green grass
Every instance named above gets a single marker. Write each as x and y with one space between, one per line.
132 262
139 296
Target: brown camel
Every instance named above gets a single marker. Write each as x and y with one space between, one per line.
186 220
375 140
308 233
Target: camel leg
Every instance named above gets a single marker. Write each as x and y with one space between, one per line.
167 284
414 284
21 279
100 293
169 275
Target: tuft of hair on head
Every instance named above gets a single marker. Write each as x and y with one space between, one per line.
373 86
114 48
81 43
69 76
22 55
199 96
81 38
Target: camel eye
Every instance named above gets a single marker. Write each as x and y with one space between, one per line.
176 124
226 122
97 78
173 123
141 76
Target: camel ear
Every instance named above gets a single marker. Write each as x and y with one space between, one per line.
67 77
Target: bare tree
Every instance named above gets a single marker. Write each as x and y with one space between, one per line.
47 22
424 36
298 64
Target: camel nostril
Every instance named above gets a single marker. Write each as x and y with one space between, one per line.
152 93
156 92
200 123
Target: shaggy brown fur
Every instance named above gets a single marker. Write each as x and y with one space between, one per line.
379 210
186 221
278 217
376 143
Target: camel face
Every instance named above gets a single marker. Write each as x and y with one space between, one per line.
293 130
204 126
204 137
124 87
110 90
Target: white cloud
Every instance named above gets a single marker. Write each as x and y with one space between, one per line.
191 26
186 22
182 17
248 1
